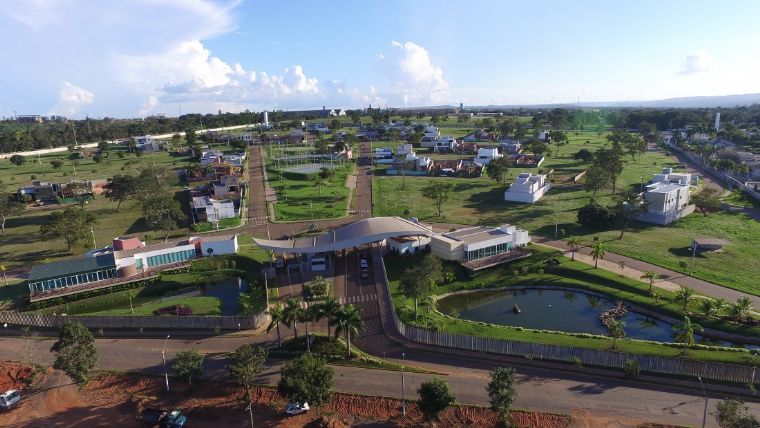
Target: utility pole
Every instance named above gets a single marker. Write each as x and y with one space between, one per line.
693 256
704 414
163 357
250 410
403 396
94 244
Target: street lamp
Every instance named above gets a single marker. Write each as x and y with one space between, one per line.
403 397
163 357
250 410
704 414
642 185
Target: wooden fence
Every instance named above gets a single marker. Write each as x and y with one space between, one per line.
136 322
652 364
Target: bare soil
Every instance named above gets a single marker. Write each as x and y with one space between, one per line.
12 375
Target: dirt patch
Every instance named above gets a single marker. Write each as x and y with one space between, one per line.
13 375
115 400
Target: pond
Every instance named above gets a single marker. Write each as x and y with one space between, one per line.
559 310
227 290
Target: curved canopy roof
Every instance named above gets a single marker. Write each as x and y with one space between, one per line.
351 235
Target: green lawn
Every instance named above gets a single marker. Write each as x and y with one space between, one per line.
201 305
568 274
481 201
208 226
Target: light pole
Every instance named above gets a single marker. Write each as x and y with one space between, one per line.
693 256
556 225
250 411
704 414
403 396
641 190
163 357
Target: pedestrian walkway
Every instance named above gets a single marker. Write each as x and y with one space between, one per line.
357 299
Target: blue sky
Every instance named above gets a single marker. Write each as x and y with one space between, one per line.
139 57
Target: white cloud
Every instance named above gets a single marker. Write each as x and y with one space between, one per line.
71 99
697 62
413 76
148 107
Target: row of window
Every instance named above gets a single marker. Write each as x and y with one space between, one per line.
165 259
488 251
69 281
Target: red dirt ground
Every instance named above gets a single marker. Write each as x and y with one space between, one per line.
12 375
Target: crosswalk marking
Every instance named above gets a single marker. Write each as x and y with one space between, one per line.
357 299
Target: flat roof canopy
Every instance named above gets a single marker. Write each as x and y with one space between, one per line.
351 235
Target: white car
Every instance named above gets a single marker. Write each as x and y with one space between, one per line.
9 399
363 263
296 409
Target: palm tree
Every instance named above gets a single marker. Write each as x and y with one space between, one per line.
5 278
574 243
131 294
685 332
276 314
616 328
651 276
329 309
350 322
598 250
741 308
707 306
684 295
306 316
290 314
720 304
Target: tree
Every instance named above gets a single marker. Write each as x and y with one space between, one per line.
17 160
583 155
502 392
163 214
685 332
707 306
538 148
630 204
741 309
305 316
119 188
80 191
290 314
71 225
558 138
439 192
616 329
57 163
684 295
190 136
151 183
598 250
733 414
650 275
348 321
245 365
306 379
8 208
329 309
609 161
595 179
420 280
75 351
573 242
188 364
5 278
594 215
435 397
498 169
633 145
706 200
276 316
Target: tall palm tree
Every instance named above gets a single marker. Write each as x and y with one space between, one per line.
574 243
741 308
707 306
685 332
306 316
616 328
720 304
276 313
651 276
684 295
598 250
349 321
329 309
290 314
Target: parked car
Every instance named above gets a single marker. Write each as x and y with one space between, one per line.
151 417
363 263
365 274
9 399
279 263
293 409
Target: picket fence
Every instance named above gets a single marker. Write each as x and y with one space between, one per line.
610 359
136 322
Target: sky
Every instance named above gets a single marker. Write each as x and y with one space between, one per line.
134 58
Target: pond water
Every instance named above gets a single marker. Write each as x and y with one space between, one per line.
227 290
559 310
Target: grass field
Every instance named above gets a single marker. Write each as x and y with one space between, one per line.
568 274
200 305
481 201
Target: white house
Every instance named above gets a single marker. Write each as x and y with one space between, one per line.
217 245
431 133
477 243
147 143
405 150
337 112
543 135
210 156
486 155
442 144
237 159
213 210
408 244
668 197
527 188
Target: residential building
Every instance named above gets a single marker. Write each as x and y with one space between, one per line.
225 185
510 147
527 188
30 118
218 245
236 159
405 150
147 143
317 127
45 192
528 161
543 135
468 148
245 136
487 154
447 167
479 247
430 133
442 144
667 197
209 156
213 210
383 155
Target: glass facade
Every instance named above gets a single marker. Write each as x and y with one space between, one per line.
165 259
71 280
493 250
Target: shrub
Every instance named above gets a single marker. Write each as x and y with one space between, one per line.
631 368
435 396
594 215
